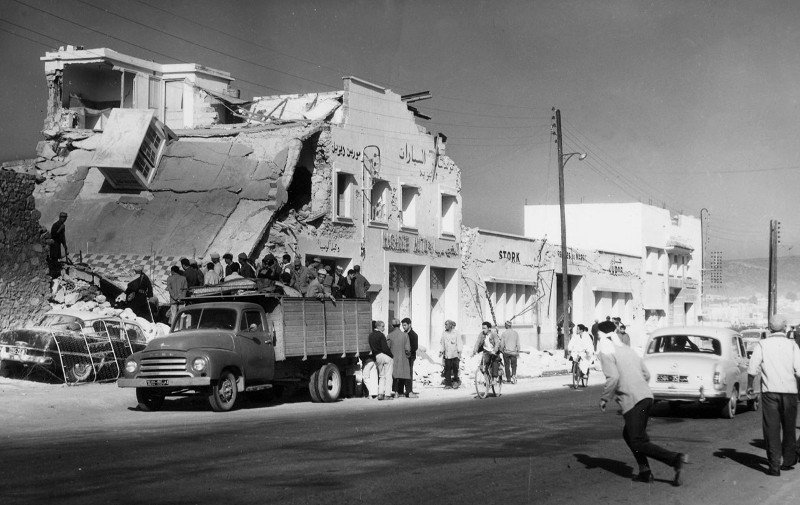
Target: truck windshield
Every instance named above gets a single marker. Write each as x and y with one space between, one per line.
684 343
205 319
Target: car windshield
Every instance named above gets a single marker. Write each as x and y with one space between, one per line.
205 319
59 321
684 343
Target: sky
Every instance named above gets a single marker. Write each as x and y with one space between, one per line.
686 105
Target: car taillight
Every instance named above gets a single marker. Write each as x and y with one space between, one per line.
716 377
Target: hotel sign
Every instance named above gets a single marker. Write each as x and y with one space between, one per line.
419 244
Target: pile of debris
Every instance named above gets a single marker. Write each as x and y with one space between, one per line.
76 294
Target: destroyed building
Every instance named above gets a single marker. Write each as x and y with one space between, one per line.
157 162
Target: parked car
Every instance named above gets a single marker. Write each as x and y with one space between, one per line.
751 337
72 346
699 364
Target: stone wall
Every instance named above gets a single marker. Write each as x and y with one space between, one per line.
24 280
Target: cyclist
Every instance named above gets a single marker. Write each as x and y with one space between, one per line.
581 350
488 342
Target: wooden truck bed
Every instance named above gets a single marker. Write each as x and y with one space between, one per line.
309 327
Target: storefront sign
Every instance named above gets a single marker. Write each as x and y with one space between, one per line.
511 256
615 267
346 152
572 255
418 244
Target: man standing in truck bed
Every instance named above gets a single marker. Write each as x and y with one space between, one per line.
360 283
383 359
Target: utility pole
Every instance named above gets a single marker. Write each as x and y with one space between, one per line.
772 292
564 277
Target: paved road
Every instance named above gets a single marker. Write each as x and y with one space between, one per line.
538 447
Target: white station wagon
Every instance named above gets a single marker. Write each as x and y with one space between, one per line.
699 364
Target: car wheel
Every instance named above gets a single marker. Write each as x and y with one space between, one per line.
149 400
329 383
754 404
223 394
79 372
729 408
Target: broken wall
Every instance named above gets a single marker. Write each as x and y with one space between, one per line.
24 280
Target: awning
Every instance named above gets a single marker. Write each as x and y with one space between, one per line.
501 280
612 289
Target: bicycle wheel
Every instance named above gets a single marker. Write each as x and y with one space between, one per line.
497 385
576 375
585 379
481 384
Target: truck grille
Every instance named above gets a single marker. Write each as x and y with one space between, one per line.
164 367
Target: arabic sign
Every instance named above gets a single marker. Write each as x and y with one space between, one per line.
413 154
419 244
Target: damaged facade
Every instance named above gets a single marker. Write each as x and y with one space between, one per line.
157 162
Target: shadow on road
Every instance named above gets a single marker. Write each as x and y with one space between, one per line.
610 465
744 458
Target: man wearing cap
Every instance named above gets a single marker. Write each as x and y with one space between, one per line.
317 288
299 275
58 235
510 344
177 287
218 268
315 264
401 350
245 268
777 359
138 294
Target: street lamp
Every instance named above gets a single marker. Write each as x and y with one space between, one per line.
562 160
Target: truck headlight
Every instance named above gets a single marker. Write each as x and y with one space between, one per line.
199 364
131 366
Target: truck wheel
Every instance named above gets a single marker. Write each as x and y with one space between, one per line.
329 383
149 401
223 394
313 387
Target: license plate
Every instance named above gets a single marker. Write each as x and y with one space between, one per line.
157 382
672 378
18 350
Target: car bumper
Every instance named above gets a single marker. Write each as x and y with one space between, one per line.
696 395
176 382
26 358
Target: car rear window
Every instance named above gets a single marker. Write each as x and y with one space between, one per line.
205 319
684 343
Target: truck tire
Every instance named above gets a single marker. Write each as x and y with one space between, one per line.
329 383
149 400
223 395
313 389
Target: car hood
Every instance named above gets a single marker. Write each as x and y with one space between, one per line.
38 338
664 362
193 339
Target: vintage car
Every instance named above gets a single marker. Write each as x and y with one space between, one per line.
72 346
699 364
752 337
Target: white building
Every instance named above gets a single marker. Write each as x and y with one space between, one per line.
667 247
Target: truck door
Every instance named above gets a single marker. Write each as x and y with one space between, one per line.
258 353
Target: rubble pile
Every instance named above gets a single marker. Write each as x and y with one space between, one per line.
79 295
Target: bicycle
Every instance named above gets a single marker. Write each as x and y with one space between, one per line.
485 382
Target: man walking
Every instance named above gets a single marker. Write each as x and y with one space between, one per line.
777 359
451 346
413 340
138 294
177 287
626 382
510 342
383 359
58 233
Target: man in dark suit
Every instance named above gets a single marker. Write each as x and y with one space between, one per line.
413 339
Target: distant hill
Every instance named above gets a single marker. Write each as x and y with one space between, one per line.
748 277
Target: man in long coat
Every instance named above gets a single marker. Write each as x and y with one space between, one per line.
401 350
138 293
